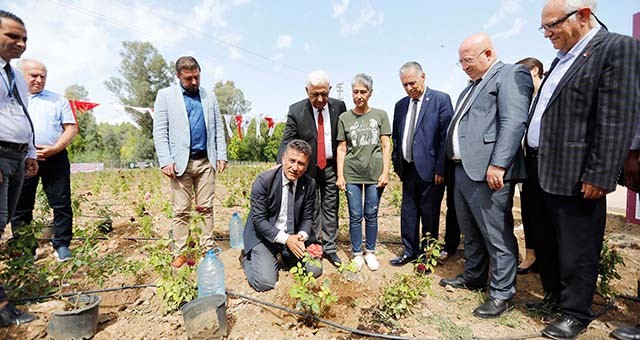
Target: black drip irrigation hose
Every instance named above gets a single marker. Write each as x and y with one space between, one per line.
315 318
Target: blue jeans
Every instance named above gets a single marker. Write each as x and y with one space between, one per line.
371 202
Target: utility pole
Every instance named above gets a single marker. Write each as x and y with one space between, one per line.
340 89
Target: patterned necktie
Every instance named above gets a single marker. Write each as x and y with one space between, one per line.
408 152
290 207
457 118
322 157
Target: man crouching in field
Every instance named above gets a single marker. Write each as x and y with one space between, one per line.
280 219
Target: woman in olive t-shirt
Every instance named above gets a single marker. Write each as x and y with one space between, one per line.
363 159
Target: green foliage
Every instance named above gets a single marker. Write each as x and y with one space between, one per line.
250 148
143 72
607 270
428 260
231 99
398 298
312 298
76 92
449 330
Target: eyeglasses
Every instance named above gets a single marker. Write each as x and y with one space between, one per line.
552 26
469 60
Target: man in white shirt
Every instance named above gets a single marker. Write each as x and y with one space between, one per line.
55 127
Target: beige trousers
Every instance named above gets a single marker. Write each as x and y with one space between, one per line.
199 177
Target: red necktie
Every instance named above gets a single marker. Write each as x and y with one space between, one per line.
322 157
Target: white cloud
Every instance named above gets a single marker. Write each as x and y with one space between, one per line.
507 7
340 7
277 57
283 41
367 16
307 46
514 30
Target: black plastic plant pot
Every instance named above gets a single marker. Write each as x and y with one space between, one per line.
76 324
206 317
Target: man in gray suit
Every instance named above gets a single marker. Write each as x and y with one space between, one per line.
580 129
483 141
189 137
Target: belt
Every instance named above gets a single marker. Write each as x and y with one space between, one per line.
532 152
14 146
198 154
456 161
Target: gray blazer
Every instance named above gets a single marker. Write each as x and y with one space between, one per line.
171 128
493 125
591 117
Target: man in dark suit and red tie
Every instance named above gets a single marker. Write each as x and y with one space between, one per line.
315 120
579 132
420 122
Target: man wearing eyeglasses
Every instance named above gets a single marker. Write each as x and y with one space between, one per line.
315 120
579 132
483 141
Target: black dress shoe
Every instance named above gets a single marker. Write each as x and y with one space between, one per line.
493 308
627 333
9 315
532 268
333 258
460 282
401 260
564 327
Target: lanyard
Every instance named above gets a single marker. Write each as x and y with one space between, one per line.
13 84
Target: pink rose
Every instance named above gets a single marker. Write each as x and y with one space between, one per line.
315 250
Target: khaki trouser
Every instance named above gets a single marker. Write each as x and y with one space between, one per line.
199 177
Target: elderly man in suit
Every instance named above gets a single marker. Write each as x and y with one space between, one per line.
315 120
579 132
189 137
281 218
483 141
420 122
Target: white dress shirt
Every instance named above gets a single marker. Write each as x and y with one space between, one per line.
565 60
281 222
49 112
328 151
405 134
15 124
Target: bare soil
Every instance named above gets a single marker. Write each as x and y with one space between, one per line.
137 313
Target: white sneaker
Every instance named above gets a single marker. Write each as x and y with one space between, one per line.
358 261
372 261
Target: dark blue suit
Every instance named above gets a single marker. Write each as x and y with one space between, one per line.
421 198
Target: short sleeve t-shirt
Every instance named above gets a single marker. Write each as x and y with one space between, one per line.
363 161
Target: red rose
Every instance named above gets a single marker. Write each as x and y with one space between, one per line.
421 268
191 262
315 250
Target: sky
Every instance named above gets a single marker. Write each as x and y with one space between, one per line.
268 47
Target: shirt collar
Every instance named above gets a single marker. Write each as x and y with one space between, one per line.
285 180
324 108
579 46
2 62
184 92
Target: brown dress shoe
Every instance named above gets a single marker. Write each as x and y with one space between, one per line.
179 261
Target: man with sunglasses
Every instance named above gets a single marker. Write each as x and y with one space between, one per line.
314 120
579 132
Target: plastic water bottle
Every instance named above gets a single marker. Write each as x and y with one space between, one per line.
236 228
211 274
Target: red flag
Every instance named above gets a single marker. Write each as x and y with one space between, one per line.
239 125
77 105
271 124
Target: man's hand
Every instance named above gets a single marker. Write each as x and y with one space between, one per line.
383 180
45 151
30 167
221 165
632 170
495 176
592 192
169 170
295 243
438 179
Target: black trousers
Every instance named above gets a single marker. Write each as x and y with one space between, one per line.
420 202
452 229
55 173
568 234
